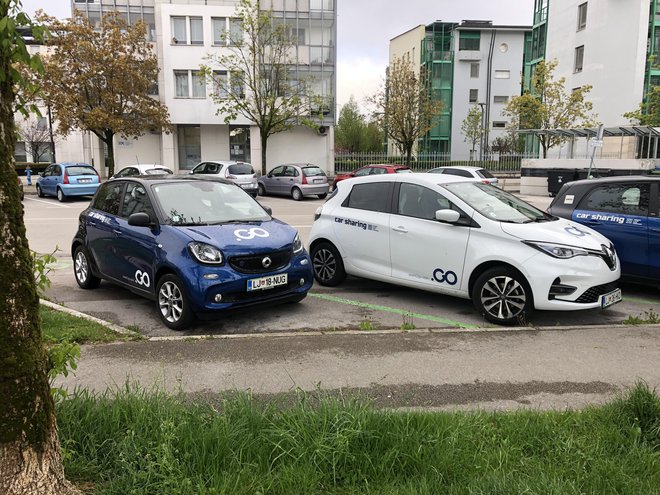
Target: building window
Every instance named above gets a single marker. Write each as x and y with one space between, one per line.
185 80
474 70
502 74
579 59
474 95
219 26
582 16
187 28
237 84
220 83
235 31
500 99
469 40
499 125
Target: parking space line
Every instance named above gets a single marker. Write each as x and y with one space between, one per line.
639 300
387 309
47 202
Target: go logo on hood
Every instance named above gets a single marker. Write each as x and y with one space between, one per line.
248 234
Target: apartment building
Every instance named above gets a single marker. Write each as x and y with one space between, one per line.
468 63
184 32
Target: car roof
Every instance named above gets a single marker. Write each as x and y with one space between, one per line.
460 167
416 178
151 179
616 178
72 164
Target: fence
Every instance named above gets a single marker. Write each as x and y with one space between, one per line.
347 162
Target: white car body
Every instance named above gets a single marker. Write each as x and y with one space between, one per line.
448 255
479 173
142 169
240 173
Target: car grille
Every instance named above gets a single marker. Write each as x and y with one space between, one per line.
592 294
260 263
232 297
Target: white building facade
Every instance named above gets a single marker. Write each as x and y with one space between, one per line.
184 33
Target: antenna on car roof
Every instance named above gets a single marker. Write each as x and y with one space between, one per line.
137 160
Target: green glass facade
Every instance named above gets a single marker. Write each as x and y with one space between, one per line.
652 75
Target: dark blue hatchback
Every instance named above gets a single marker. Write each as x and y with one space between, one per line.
195 246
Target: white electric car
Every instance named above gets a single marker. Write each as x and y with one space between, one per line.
464 238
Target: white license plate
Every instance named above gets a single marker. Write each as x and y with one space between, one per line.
247 186
84 181
610 298
318 181
267 282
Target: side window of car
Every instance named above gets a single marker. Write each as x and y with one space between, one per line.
374 196
420 202
364 171
57 170
213 168
135 200
379 170
626 199
278 171
108 197
48 172
200 169
459 172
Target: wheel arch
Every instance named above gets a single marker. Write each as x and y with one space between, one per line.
487 265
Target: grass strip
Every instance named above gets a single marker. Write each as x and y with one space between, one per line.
132 441
62 327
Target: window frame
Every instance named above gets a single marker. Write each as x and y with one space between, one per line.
578 62
473 95
582 11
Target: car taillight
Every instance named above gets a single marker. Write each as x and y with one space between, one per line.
304 179
485 181
66 179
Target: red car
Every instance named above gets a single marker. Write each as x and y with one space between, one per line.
373 170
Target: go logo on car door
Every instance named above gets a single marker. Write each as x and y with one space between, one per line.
445 277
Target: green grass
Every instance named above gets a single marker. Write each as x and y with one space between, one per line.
136 442
63 327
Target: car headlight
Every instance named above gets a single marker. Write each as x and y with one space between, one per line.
206 254
558 250
297 244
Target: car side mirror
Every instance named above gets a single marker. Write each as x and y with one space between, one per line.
140 219
268 209
447 216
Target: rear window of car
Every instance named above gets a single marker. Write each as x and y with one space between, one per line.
403 171
312 171
158 171
457 171
485 174
80 170
241 169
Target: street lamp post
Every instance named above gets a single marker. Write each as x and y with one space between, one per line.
50 131
481 136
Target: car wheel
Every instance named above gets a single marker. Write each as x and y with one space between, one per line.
323 196
40 193
172 303
328 265
83 271
296 194
503 296
60 196
261 191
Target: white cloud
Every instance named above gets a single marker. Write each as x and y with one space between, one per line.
360 77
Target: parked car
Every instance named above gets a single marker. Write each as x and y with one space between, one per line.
196 246
68 179
473 172
373 170
297 180
142 169
240 173
624 209
461 237
20 189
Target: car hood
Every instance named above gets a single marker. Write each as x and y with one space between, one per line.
249 237
558 231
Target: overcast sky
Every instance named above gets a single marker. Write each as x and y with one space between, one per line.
365 27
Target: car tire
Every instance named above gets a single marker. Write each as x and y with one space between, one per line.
60 195
327 264
323 196
82 269
296 194
172 303
503 296
40 193
261 190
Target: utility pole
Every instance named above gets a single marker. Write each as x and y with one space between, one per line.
481 136
50 131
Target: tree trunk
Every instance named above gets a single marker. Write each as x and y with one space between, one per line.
30 458
408 155
108 139
264 143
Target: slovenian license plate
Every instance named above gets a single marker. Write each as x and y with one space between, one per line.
318 181
84 181
610 298
267 282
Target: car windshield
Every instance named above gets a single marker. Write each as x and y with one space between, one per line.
158 171
312 171
485 174
241 169
495 203
403 171
206 203
80 170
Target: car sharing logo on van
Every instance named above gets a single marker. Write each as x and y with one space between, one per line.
99 217
356 223
608 217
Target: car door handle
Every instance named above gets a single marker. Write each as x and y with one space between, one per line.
655 230
93 224
403 230
117 231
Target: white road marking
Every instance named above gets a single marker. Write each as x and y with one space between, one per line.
47 202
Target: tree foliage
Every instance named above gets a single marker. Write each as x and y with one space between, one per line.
548 105
354 133
648 112
405 105
98 80
472 127
30 456
251 77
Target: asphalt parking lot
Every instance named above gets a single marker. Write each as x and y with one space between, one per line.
356 304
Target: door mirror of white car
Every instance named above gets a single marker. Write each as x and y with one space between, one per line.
447 216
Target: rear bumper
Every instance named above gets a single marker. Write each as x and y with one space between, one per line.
79 190
314 189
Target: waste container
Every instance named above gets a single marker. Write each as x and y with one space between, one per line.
558 177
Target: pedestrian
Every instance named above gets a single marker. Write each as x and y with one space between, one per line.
28 172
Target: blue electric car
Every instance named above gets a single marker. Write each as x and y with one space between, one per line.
196 246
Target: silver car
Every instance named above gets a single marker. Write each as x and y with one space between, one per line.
297 180
240 173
